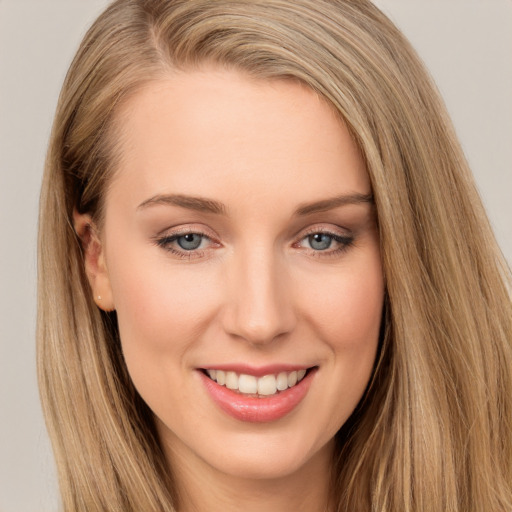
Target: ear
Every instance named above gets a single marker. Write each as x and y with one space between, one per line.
94 261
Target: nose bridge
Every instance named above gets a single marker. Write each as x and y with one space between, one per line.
259 307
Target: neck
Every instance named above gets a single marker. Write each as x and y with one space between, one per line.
203 488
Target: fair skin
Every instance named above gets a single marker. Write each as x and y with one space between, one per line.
239 235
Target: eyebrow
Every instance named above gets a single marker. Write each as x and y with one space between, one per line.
334 202
211 206
189 202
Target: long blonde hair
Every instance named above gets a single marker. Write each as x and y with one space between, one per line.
434 430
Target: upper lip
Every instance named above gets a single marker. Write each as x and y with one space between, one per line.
257 371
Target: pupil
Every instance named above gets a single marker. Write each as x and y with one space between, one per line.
320 241
190 241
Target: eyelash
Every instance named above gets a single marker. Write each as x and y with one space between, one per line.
165 242
344 241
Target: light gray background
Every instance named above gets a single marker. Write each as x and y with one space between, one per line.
467 45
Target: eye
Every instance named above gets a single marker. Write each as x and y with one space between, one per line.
186 244
325 243
190 241
320 241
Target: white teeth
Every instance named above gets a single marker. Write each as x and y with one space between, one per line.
249 384
267 385
231 380
282 381
221 377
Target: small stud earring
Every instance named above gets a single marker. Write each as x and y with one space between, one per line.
99 297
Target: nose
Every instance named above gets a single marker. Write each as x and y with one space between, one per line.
259 308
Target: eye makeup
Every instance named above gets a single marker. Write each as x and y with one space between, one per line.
190 243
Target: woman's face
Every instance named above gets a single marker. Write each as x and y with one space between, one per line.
240 240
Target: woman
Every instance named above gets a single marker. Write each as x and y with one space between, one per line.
266 277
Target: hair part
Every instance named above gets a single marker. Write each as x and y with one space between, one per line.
434 430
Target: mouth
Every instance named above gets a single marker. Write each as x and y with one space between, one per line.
257 387
257 396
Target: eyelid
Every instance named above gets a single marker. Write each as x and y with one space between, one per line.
327 229
184 229
344 240
343 237
165 237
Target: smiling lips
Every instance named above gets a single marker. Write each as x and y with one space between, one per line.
251 398
263 386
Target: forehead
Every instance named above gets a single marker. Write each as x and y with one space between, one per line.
194 132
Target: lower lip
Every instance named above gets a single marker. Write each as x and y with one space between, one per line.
254 409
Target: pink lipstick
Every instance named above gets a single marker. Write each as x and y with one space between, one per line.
277 391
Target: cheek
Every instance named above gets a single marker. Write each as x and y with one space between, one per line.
343 314
347 309
160 309
161 314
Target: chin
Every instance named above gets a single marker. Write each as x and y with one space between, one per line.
270 457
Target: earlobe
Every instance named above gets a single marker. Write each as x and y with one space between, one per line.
94 261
